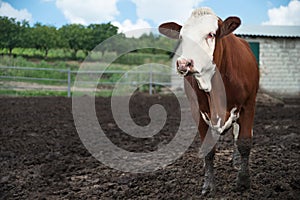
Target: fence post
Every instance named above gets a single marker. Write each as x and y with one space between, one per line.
150 81
69 82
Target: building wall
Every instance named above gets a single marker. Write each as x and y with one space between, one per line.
279 63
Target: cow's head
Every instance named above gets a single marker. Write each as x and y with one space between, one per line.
199 36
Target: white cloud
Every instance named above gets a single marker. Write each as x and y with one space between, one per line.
285 15
100 11
88 11
165 10
7 10
133 30
269 4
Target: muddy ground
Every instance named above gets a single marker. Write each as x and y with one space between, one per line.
42 156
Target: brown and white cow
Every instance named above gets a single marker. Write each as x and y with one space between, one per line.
209 46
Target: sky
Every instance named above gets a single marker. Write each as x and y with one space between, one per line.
134 14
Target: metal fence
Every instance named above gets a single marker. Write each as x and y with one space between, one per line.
13 78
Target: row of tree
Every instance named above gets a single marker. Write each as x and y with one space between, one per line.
15 34
73 36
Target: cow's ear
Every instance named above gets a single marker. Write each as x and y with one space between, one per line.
170 29
228 26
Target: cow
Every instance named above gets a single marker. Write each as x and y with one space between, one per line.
208 46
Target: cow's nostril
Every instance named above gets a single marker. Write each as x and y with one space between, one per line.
189 64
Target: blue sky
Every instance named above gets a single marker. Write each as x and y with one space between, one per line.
132 14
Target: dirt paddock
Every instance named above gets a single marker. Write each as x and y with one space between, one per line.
42 156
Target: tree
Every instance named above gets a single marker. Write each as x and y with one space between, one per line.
11 33
99 33
45 37
25 29
75 36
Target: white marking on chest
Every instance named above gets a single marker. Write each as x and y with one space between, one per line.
217 127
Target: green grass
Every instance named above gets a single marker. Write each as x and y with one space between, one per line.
63 55
73 66
53 54
97 62
41 93
30 93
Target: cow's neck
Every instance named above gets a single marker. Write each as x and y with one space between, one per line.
223 54
219 78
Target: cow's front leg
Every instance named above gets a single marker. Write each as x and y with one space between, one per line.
209 177
243 179
236 158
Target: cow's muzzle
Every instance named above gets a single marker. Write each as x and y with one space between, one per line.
185 66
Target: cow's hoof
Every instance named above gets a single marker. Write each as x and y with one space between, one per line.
243 182
208 188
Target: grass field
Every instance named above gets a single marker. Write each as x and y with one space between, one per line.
33 93
54 70
56 55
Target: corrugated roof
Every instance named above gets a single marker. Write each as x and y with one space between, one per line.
269 31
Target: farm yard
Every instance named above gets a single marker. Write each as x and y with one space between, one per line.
42 156
40 77
48 51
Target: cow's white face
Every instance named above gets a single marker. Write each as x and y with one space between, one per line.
198 40
197 46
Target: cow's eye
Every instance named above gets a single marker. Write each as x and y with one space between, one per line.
211 35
